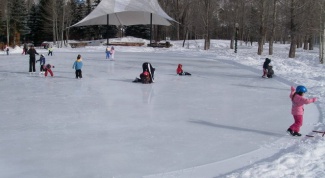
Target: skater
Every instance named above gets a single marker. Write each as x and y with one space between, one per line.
270 72
78 65
7 49
265 67
144 78
298 102
112 51
24 49
42 63
50 51
180 71
108 52
47 69
32 59
148 67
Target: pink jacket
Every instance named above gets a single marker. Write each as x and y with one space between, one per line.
298 103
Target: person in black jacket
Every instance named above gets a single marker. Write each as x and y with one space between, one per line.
266 67
32 59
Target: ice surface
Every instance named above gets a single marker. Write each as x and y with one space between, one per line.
222 118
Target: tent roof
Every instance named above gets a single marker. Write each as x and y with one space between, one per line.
126 12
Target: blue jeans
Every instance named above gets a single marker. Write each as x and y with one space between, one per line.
107 55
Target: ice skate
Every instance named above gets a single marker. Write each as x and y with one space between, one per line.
296 134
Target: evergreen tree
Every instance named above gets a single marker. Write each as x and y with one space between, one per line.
77 9
34 23
18 20
45 31
139 31
89 31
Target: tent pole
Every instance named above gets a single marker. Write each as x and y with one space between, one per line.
107 28
150 28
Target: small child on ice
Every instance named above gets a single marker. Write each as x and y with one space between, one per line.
108 52
298 102
180 71
266 67
112 53
47 69
78 66
42 63
144 78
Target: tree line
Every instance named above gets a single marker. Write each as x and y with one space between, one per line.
298 22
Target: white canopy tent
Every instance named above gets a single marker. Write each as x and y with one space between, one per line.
127 12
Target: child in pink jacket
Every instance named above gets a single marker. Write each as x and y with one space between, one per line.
298 102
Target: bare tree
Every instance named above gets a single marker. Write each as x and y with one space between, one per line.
272 34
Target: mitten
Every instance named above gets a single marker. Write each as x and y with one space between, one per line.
292 88
314 99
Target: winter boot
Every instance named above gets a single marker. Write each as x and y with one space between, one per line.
296 134
290 131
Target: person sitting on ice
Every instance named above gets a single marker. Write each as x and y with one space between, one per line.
144 78
270 71
47 69
180 71
148 67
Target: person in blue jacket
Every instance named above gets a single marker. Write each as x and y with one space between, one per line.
42 63
78 66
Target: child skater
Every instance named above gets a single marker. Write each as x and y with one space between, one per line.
47 69
112 51
180 71
42 62
108 52
266 67
144 78
298 102
78 65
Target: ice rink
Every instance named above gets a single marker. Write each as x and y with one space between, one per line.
222 118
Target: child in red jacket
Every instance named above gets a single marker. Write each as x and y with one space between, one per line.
180 71
47 69
144 78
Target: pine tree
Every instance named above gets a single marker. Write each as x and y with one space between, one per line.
77 9
45 30
34 23
18 20
139 31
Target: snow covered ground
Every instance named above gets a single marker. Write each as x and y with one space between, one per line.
223 121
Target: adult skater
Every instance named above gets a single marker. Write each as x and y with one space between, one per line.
32 59
148 67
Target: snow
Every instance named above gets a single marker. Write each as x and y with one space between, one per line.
223 121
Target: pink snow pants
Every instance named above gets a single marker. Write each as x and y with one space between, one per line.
298 123
48 70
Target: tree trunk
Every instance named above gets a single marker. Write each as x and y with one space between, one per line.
293 45
261 34
311 42
232 43
305 45
322 44
273 29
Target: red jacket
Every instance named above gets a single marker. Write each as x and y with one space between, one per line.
179 69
